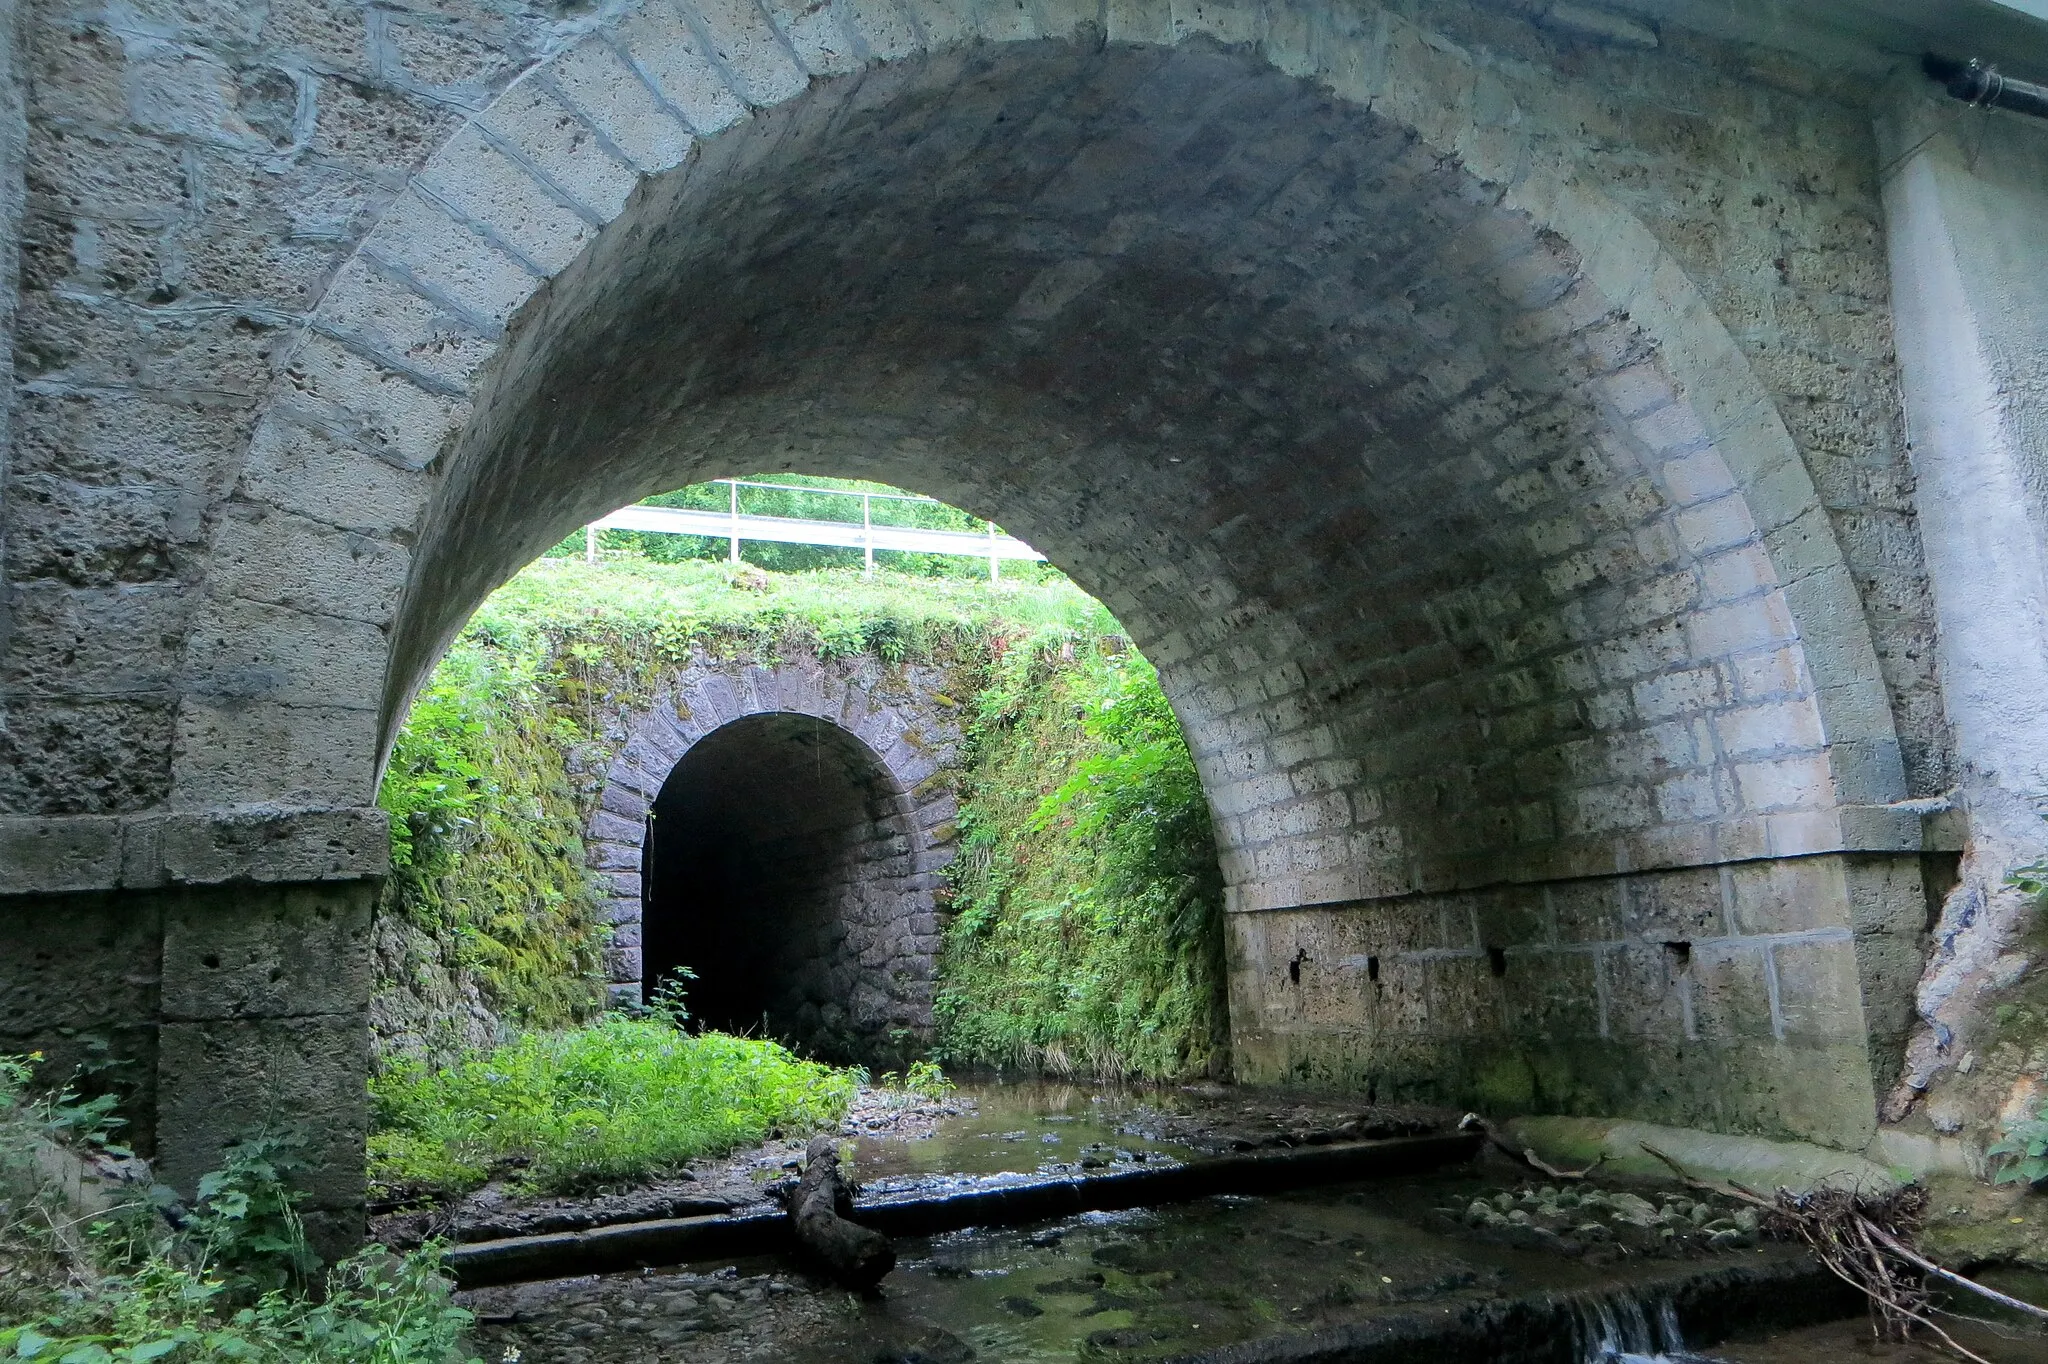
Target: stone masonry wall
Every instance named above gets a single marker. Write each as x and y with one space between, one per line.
855 960
199 175
1485 421
1739 998
224 1010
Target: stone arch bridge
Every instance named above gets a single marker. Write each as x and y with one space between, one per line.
1576 466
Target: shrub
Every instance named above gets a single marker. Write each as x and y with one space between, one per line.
616 1100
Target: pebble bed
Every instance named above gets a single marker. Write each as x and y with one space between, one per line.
1603 1225
645 1319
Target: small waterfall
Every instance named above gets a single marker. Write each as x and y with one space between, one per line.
1621 1330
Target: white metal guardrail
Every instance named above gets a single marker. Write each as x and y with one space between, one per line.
735 525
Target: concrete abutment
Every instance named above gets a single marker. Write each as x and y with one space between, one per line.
1770 997
216 1011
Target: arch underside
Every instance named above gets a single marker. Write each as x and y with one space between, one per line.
1453 583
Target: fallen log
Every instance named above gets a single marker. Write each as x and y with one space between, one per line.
1030 1198
821 1214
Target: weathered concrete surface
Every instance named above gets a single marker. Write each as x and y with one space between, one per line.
1488 422
782 832
1965 193
13 146
223 1010
1620 1148
1767 996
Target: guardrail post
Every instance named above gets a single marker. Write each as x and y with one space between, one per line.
867 532
590 544
733 486
995 565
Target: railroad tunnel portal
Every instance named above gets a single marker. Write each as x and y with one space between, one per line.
781 868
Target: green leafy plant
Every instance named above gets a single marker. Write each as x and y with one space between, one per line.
119 1286
247 1219
2023 1151
926 1079
1087 934
619 1099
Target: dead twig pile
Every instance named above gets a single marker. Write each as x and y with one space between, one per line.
1865 1239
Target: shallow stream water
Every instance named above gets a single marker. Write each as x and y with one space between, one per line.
1149 1284
1162 1282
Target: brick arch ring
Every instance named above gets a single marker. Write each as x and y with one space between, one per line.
900 719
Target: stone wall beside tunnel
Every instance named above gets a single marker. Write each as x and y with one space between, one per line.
781 831
1764 996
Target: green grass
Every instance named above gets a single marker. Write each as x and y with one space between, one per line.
617 1100
660 610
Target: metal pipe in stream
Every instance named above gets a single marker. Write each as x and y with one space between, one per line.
634 1245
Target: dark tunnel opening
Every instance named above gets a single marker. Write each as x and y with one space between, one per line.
781 867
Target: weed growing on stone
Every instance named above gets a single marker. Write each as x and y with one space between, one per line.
620 1099
92 1271
2022 1153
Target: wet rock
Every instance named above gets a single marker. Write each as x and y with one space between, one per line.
1630 1208
1080 1284
936 1346
1022 1307
1117 1256
1120 1338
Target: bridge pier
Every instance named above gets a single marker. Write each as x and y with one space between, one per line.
1965 193
217 998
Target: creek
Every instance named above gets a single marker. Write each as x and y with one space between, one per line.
1396 1269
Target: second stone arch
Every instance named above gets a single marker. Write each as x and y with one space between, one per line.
781 832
